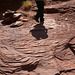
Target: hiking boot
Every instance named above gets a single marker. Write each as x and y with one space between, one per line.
42 20
41 23
36 19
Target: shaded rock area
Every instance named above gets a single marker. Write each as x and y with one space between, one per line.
39 49
10 4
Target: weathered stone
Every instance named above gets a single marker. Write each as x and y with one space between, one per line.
17 24
23 19
17 15
7 4
11 16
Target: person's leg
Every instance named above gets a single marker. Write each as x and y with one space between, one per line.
38 13
41 9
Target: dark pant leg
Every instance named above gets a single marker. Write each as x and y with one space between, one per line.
40 13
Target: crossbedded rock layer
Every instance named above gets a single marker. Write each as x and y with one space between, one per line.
34 49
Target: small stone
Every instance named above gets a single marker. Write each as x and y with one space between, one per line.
16 15
56 42
23 19
17 24
8 13
66 19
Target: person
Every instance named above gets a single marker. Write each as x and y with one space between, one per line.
40 14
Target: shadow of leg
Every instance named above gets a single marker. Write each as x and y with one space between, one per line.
39 32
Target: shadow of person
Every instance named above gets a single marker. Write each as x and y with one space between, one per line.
39 32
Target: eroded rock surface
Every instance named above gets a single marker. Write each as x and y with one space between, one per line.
34 49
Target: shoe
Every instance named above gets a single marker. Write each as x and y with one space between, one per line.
35 19
42 20
41 23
